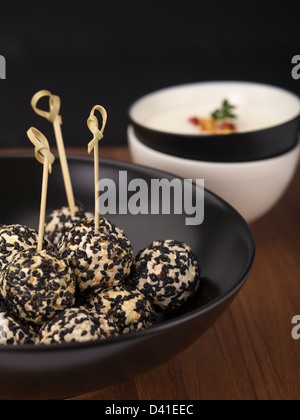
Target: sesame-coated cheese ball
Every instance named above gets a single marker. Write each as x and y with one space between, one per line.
75 325
13 331
167 272
127 308
36 285
99 258
61 221
15 239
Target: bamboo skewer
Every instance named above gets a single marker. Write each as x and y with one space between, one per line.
54 117
44 156
93 125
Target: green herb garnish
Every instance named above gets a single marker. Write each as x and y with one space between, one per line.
226 111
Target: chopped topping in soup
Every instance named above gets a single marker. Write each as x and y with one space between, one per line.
220 121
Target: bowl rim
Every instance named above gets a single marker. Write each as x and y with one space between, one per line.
199 135
224 164
161 326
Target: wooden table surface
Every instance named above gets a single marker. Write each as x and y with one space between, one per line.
250 352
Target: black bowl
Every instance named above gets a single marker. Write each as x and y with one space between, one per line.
268 116
223 244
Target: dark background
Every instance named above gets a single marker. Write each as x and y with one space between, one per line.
113 52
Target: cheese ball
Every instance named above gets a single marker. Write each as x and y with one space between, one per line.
167 272
13 331
36 285
75 325
127 308
15 239
61 221
99 259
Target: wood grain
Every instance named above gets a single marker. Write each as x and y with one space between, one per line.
249 354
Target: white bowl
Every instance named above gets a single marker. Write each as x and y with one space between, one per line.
252 188
267 121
